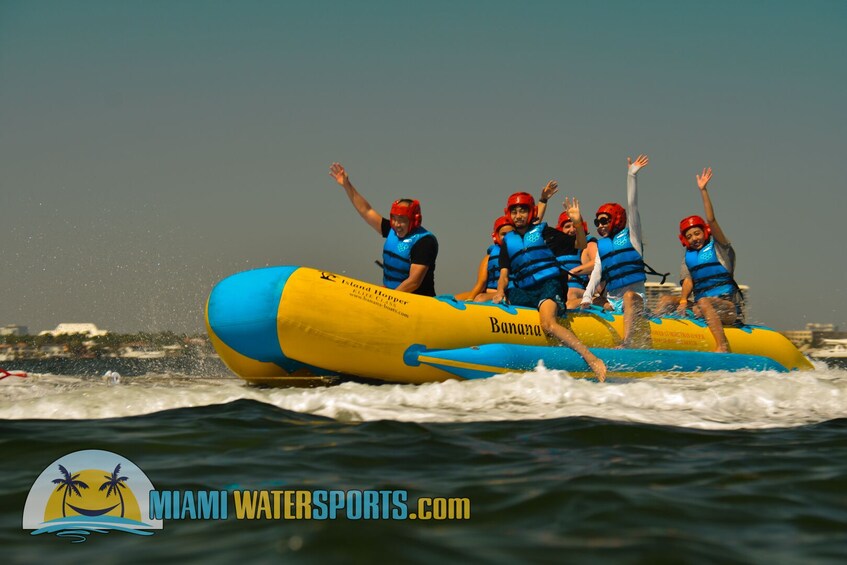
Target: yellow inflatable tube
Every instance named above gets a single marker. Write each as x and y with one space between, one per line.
283 325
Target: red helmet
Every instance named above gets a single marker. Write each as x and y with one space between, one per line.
693 222
521 198
499 223
616 214
409 208
563 217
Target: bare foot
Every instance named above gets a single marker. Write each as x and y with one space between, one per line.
597 366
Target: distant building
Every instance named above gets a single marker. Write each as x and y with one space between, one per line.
814 334
89 330
800 338
820 336
13 329
141 351
7 352
821 327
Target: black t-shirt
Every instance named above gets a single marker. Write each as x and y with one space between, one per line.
558 242
423 252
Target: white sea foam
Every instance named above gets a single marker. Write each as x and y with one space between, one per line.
711 401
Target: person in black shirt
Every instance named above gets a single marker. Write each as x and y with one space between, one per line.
528 257
410 250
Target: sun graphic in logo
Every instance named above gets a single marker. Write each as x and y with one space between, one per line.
92 493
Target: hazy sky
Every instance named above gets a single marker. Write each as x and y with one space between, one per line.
149 149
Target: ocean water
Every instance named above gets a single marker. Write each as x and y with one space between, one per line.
721 468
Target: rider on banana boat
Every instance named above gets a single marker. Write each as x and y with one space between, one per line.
410 250
489 268
528 259
707 270
620 258
578 264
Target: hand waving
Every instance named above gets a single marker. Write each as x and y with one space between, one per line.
549 190
336 171
639 163
704 178
572 208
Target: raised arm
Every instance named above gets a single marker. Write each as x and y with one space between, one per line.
572 208
362 206
550 189
593 281
633 218
702 182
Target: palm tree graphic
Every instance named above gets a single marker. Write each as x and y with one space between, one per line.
71 486
114 484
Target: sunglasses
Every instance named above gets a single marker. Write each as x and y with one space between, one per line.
600 222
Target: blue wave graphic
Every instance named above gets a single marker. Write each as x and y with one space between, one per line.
78 527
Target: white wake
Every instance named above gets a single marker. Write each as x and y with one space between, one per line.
711 401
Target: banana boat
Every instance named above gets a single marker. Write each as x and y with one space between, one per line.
299 326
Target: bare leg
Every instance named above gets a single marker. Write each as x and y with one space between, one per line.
717 312
574 298
667 305
547 313
633 309
484 296
627 318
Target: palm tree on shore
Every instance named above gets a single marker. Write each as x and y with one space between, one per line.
114 484
71 486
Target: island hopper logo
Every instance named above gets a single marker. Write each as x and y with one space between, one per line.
90 491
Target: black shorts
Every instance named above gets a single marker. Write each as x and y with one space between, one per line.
551 289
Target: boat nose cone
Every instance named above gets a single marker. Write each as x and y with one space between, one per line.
242 312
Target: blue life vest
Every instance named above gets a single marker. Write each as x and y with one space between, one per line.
622 264
709 276
494 268
396 256
531 260
571 262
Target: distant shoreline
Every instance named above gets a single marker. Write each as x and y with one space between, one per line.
160 345
127 367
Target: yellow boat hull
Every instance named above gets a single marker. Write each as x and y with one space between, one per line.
298 326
